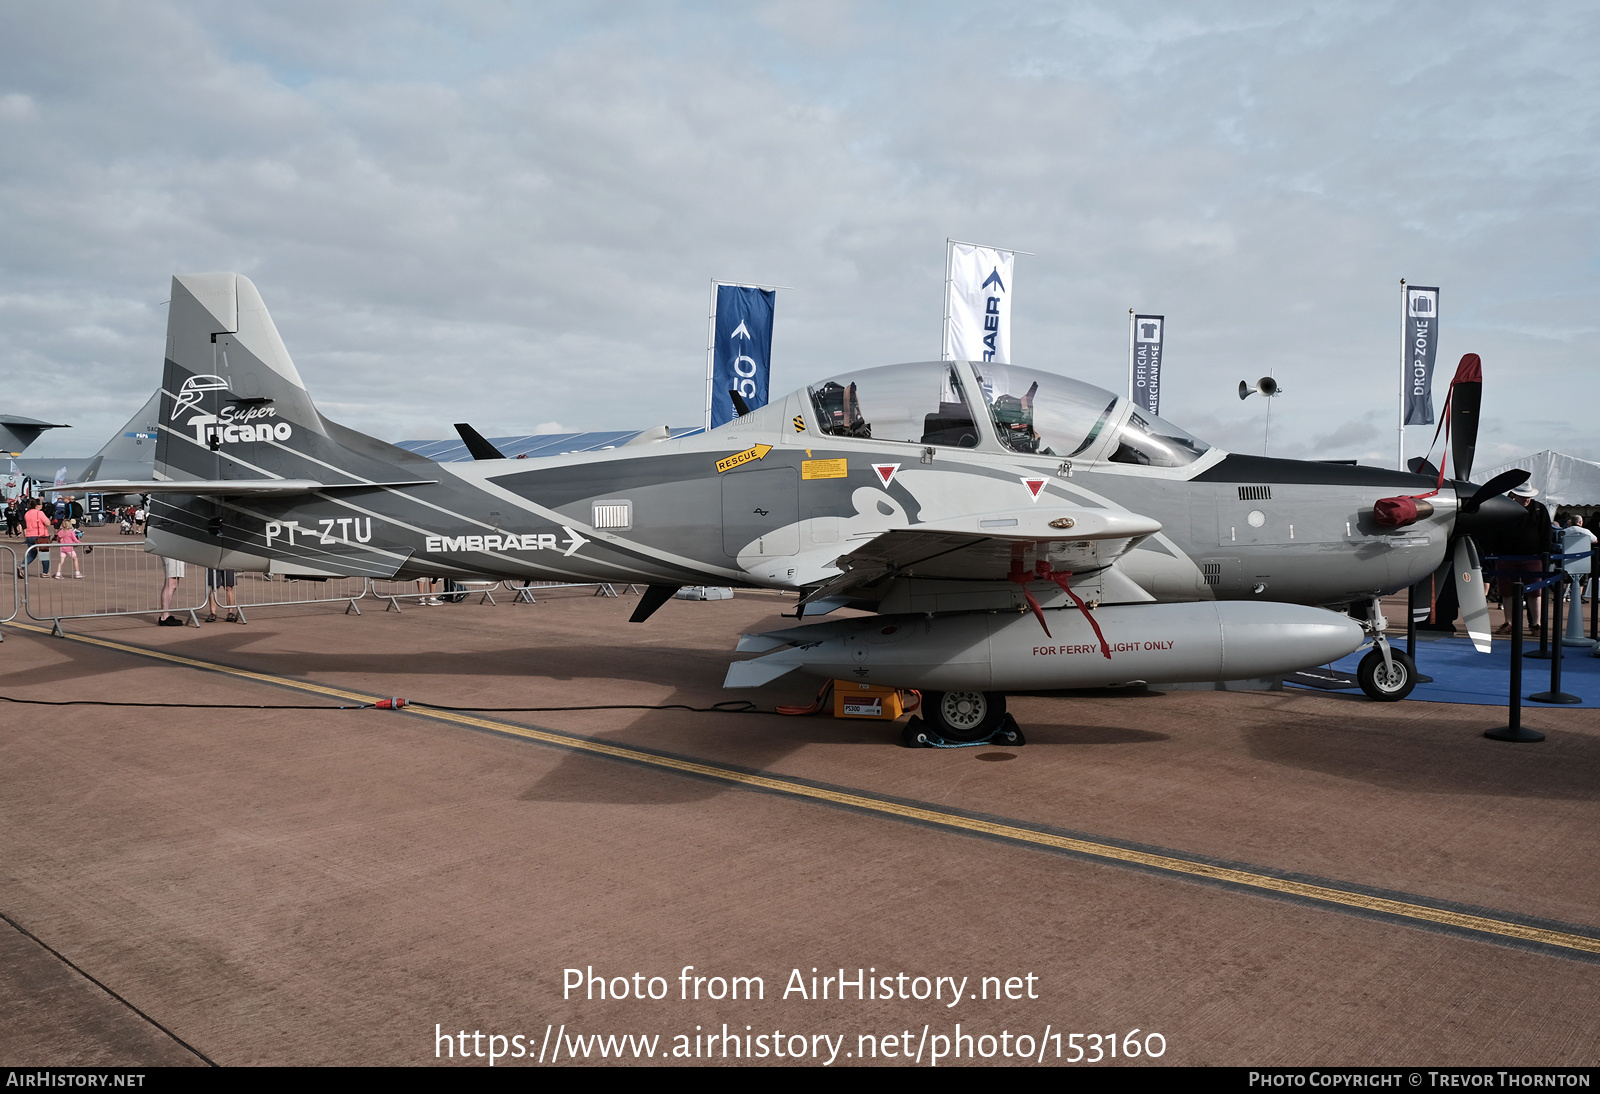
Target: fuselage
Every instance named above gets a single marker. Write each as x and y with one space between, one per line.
775 498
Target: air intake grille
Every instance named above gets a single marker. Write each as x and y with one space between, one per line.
615 515
1212 572
1255 493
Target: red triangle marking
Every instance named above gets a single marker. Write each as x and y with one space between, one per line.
1035 486
886 471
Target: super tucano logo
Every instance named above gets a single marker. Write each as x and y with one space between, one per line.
234 423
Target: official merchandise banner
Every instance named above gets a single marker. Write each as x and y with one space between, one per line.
741 349
1148 334
980 304
1422 344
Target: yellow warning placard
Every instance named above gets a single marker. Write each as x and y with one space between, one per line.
824 469
738 458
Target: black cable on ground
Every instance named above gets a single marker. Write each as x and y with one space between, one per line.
188 706
727 706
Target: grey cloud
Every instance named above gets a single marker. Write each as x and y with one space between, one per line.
489 212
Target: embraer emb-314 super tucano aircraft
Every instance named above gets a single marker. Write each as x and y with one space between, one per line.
1013 530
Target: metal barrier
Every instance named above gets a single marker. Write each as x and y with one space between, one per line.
258 590
10 563
116 579
601 588
395 591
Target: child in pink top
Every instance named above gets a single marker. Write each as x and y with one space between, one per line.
67 537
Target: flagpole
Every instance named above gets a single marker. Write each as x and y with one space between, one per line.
711 345
1400 444
1130 355
944 332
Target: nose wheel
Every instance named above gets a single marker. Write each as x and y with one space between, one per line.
961 719
964 715
1387 683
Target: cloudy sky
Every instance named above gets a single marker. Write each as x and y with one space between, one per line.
509 213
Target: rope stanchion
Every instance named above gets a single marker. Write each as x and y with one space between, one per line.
1594 593
1543 652
1555 694
1514 731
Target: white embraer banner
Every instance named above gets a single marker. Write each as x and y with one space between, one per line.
978 304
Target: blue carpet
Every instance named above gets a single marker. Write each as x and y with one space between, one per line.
1463 675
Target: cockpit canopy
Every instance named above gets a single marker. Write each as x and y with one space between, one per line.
1033 413
923 404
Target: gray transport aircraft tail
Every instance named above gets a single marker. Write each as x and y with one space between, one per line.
129 454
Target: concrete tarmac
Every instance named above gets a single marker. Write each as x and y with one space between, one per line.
267 886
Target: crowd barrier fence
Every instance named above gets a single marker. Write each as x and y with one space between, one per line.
15 599
257 590
122 578
601 588
117 579
394 591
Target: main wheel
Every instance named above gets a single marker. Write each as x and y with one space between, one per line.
963 715
1384 684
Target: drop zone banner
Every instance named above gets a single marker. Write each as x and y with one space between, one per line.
1422 344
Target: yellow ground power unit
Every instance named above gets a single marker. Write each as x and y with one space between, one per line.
853 699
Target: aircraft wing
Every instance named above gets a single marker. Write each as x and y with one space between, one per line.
982 547
230 487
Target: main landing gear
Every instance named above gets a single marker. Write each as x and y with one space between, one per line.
959 719
1385 673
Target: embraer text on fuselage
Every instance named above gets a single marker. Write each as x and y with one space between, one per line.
506 541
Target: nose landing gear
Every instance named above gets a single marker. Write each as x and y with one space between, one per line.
957 719
1385 674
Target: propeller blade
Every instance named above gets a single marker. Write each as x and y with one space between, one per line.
1506 480
1466 395
1420 466
1470 593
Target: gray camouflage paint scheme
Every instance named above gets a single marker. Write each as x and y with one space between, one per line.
347 504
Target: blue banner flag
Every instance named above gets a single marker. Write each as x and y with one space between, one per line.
742 350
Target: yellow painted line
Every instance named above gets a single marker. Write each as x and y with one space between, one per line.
939 818
208 666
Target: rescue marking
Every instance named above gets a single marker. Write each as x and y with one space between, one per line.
1016 832
886 472
756 452
1035 486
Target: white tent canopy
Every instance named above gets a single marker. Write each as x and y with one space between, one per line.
1559 478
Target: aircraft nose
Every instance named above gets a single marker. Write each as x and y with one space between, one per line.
1495 517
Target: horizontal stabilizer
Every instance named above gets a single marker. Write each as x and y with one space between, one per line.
259 488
